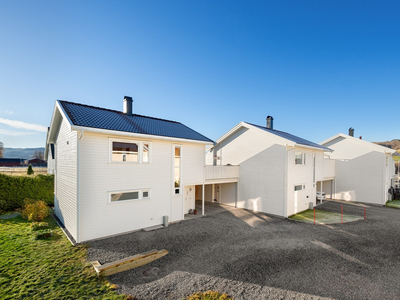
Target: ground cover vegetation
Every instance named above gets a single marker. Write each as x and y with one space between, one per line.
323 217
48 267
393 204
209 295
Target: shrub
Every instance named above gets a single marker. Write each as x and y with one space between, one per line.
35 210
43 234
38 225
14 189
30 170
209 295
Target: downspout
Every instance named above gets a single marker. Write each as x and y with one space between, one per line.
79 135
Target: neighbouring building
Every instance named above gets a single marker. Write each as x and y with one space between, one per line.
278 171
364 170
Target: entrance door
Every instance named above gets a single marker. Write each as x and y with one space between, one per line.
189 198
299 198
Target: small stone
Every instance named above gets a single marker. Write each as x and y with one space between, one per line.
151 272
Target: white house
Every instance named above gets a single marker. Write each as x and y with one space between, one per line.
278 172
363 170
117 172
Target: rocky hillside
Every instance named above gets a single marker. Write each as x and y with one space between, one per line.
393 144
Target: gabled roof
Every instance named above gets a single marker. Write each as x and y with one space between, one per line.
101 118
361 142
292 138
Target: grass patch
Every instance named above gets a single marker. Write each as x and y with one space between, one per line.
209 295
393 204
323 217
46 269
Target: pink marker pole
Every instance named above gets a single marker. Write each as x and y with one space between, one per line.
342 214
365 213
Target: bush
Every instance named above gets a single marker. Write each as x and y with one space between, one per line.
43 234
209 295
30 170
14 189
38 225
35 210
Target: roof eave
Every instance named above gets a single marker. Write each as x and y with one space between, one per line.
140 135
314 148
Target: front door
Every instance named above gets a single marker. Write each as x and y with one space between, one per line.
189 198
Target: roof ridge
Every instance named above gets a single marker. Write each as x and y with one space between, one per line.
116 111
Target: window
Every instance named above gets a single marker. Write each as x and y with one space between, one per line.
298 188
145 153
300 158
124 152
127 151
129 195
177 170
124 196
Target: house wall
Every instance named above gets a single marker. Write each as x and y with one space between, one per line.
228 193
298 201
50 163
65 197
99 218
361 170
361 179
262 168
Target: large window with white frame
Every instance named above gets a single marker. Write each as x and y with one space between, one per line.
127 151
128 195
299 158
177 170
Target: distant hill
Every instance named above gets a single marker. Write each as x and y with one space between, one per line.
20 152
393 144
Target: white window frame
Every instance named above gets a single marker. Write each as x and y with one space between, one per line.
303 158
173 170
140 151
140 195
303 187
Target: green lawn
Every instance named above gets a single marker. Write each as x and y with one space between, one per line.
323 217
46 269
393 203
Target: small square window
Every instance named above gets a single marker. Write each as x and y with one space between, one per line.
146 194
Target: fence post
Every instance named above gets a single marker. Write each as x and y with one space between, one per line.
314 215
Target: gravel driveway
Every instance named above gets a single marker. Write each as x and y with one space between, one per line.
254 256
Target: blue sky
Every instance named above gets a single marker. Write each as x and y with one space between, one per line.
318 67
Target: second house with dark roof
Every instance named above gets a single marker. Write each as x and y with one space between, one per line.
279 172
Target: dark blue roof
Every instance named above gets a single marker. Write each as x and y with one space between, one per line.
291 137
96 117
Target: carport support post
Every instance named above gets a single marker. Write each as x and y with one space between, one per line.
202 200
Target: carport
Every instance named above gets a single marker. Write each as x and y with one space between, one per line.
327 186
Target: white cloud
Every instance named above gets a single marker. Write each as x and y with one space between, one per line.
8 112
19 124
15 133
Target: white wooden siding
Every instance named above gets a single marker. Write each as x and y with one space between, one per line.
262 168
66 208
50 163
302 175
98 218
361 171
221 172
228 193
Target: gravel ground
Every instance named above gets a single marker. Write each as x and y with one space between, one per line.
254 256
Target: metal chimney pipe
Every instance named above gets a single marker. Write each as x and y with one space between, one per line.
270 122
351 131
128 105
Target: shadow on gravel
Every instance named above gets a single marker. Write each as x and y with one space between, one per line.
357 260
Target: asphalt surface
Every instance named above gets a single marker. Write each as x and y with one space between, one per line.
254 256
